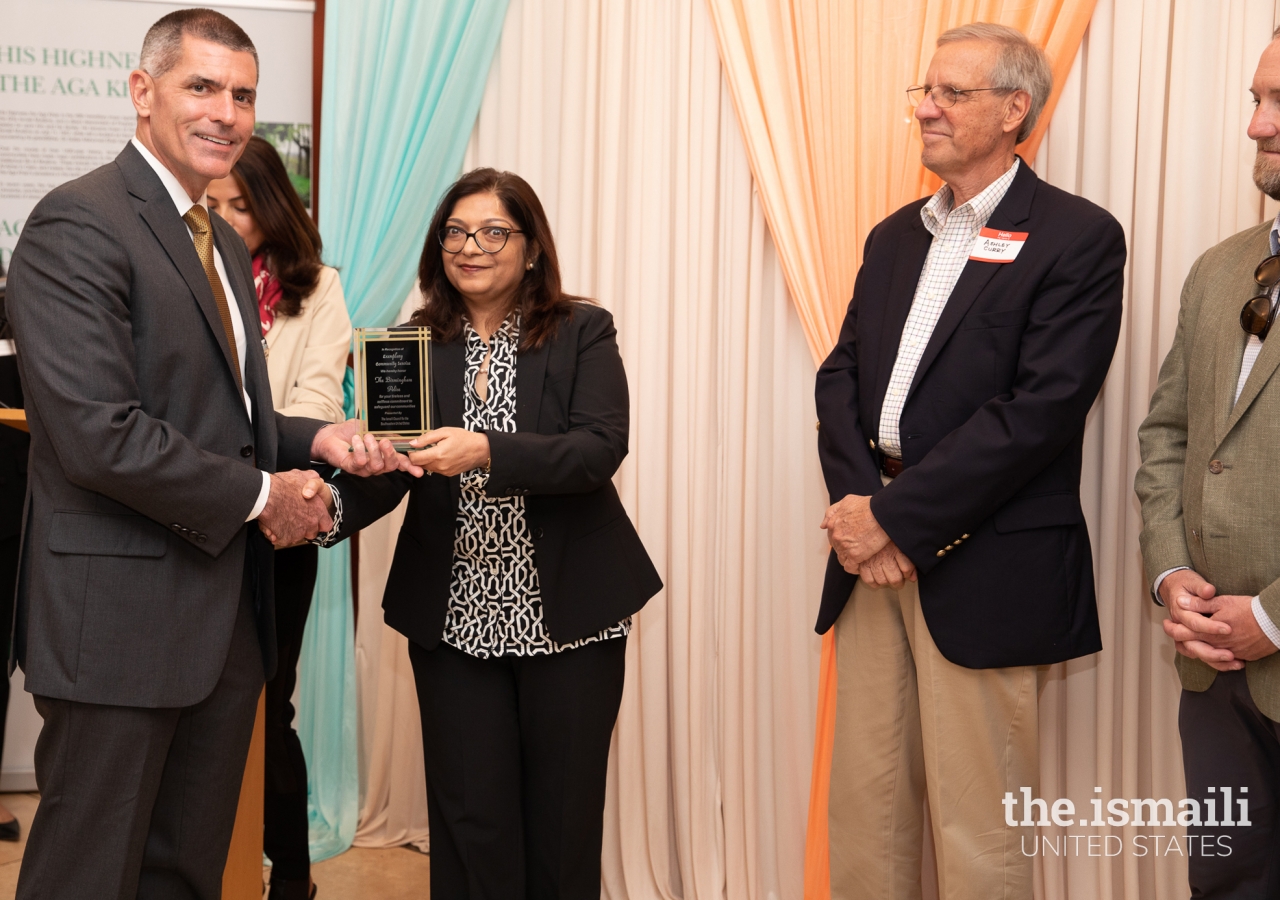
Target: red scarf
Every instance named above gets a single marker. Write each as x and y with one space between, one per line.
269 293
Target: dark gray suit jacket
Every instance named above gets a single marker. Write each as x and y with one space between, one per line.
144 461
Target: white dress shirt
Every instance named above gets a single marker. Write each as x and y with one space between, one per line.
1251 351
183 202
954 231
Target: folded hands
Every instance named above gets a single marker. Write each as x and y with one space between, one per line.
863 547
1218 629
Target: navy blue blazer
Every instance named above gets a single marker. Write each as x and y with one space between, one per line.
988 505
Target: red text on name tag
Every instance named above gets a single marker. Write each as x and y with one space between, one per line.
997 246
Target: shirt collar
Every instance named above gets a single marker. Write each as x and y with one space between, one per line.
935 212
181 199
508 331
1275 235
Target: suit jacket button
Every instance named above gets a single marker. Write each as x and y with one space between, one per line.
964 537
537 532
941 553
202 538
176 527
1216 467
871 444
246 451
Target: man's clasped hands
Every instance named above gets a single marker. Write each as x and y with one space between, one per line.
300 505
863 547
1219 629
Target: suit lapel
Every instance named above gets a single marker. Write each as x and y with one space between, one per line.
907 266
448 371
448 362
1014 209
162 218
1228 343
1231 342
246 300
531 370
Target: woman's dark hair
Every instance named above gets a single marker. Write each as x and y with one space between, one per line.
541 302
291 241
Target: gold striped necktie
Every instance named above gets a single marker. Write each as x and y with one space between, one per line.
197 220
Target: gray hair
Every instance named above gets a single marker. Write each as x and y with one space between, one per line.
162 47
1020 65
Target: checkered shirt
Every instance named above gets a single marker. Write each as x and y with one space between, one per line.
954 231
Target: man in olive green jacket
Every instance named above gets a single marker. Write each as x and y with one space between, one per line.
1211 533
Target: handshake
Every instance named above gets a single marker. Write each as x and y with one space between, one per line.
300 504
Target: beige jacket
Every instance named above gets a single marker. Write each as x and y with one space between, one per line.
307 353
1210 498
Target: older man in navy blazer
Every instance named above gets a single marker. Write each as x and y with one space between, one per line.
952 416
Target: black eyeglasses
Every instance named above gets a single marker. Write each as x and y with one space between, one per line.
944 95
1259 312
490 239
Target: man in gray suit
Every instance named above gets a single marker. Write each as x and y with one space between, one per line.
1209 515
145 621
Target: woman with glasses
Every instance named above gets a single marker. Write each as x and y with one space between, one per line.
517 570
306 333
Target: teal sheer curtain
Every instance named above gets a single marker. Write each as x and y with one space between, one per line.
403 80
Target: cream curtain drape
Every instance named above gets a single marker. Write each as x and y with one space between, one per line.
1151 125
617 114
820 90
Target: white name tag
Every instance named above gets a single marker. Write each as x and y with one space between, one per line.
998 246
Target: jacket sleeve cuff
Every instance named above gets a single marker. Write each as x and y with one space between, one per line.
1155 586
1265 623
263 494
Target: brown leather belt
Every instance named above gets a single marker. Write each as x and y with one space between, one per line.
890 467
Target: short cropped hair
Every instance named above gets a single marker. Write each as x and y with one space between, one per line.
162 47
1020 65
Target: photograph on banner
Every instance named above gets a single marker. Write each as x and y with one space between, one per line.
64 92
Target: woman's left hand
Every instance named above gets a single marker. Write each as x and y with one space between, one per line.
451 451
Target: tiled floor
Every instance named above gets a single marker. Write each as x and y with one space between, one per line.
24 807
398 874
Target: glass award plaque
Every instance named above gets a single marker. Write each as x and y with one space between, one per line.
393 392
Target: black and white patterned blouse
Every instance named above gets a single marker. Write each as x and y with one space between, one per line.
495 602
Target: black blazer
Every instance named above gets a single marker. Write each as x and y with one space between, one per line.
14 446
988 507
572 421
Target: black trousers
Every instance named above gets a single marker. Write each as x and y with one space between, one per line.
1228 742
8 583
140 803
285 811
516 751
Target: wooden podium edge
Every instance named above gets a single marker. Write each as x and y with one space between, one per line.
242 877
14 418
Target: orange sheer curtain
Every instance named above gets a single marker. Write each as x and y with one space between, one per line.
819 90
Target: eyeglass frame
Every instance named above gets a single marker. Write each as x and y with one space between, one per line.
930 88
1267 282
471 236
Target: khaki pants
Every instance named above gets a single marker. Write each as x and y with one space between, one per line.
910 724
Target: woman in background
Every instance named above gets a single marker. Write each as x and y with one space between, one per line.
307 334
517 570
